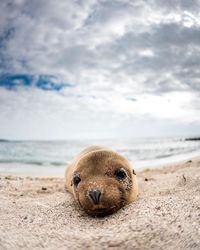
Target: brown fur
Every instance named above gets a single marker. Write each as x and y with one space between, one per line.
96 167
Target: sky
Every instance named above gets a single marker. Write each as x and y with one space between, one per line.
99 69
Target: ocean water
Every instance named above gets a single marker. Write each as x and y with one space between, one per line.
51 157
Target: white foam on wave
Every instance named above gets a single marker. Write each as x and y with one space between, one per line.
140 165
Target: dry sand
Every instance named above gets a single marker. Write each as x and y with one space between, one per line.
37 213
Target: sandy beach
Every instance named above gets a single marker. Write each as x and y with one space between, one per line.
37 213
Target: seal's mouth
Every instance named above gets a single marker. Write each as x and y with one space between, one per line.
98 212
101 212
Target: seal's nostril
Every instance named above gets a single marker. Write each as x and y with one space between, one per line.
95 196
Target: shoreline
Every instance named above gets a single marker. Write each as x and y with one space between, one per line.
58 171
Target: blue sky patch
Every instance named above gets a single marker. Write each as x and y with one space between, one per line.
44 82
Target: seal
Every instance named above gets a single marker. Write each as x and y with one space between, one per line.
101 180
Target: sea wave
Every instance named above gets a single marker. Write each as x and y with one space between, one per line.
38 163
57 154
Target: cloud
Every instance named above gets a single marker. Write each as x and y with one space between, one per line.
135 59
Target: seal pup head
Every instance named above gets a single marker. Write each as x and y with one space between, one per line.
103 182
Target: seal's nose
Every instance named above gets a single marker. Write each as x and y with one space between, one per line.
95 196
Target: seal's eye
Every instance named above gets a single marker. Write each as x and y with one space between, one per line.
120 174
76 180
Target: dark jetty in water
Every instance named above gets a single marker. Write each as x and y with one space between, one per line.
193 139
